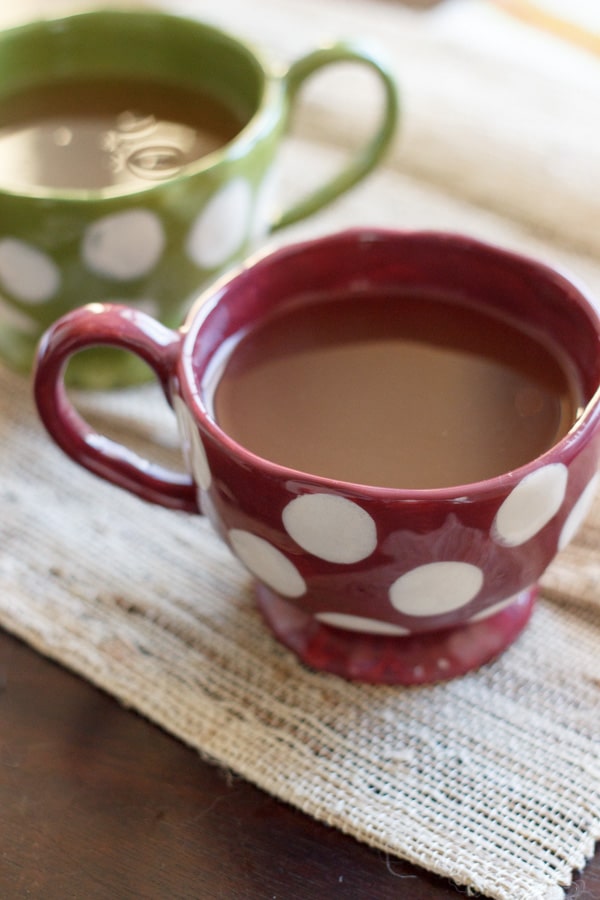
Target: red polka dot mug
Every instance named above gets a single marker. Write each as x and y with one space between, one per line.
383 578
139 159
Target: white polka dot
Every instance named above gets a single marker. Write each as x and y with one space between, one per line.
267 563
17 319
330 527
182 416
497 607
192 448
579 512
360 623
200 467
530 505
221 228
27 273
124 245
436 588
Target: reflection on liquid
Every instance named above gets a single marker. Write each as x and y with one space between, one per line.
103 133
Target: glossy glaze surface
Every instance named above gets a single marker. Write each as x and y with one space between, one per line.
405 566
94 133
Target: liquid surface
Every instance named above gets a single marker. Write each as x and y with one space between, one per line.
97 133
405 392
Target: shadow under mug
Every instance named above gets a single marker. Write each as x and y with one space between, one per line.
377 584
153 245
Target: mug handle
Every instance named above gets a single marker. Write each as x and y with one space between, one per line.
369 155
129 329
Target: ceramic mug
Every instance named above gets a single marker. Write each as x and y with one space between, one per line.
381 584
150 242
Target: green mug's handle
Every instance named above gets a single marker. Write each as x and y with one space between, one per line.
369 155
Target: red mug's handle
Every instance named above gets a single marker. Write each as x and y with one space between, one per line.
128 329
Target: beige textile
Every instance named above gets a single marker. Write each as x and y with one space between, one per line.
492 780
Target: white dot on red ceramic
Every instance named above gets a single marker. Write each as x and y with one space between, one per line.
220 230
579 512
361 623
530 505
498 607
330 527
267 563
123 246
27 273
192 448
200 467
182 416
436 588
209 509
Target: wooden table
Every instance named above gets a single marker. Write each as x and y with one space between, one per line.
96 802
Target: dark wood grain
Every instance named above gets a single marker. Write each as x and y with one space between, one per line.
96 802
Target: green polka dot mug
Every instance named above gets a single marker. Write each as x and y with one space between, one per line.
168 212
375 581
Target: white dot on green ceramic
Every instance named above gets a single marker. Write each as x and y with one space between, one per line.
220 230
330 527
436 588
17 319
123 246
267 563
27 273
530 505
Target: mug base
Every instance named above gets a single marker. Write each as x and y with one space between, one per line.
421 658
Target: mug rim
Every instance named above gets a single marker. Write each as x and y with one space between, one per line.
208 300
258 124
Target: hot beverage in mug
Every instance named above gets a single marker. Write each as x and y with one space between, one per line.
394 389
395 433
97 132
